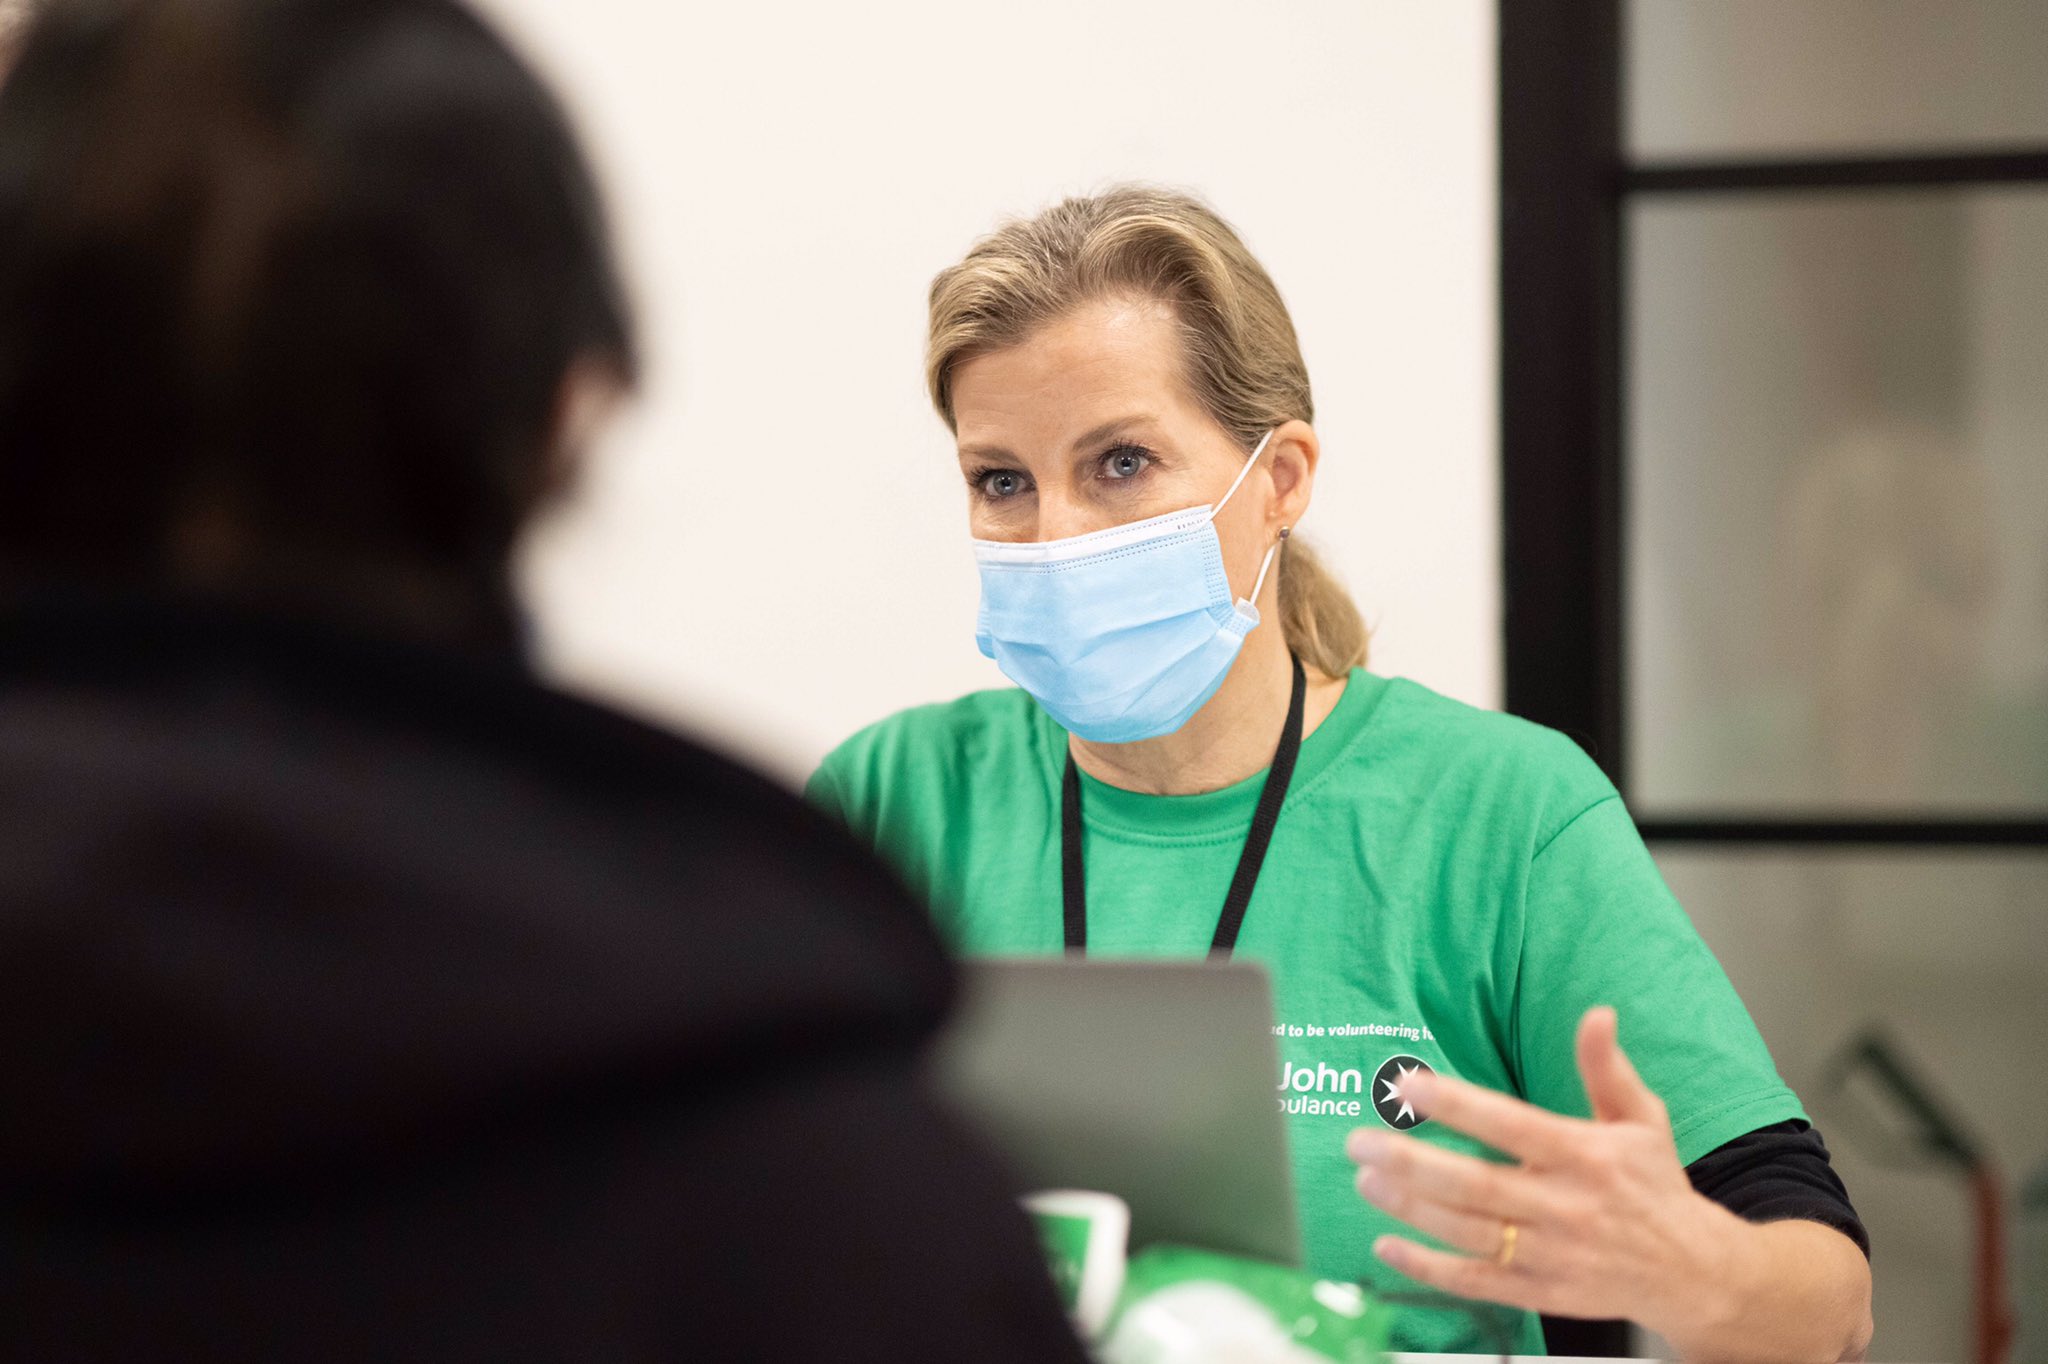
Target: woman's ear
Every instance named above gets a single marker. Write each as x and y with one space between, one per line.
1293 451
589 394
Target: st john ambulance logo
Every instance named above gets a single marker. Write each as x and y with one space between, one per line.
1388 1100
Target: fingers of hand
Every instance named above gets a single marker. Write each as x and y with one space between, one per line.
1462 1275
1616 1091
1521 1129
1475 1233
1408 1173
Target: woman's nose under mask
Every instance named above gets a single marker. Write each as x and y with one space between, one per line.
1122 634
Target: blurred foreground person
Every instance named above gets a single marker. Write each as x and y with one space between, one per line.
366 999
13 21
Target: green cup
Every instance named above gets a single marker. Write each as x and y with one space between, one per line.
1086 1237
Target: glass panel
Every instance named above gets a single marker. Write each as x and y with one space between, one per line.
1837 492
1763 78
1948 953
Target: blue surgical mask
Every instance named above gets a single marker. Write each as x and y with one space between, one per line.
1123 634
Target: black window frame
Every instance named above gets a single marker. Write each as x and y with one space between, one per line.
1565 182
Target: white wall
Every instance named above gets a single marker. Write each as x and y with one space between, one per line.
772 549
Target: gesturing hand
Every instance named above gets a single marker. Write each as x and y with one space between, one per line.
1597 1219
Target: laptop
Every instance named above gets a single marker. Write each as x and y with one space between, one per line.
1151 1080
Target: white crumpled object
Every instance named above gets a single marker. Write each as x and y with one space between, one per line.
1202 1323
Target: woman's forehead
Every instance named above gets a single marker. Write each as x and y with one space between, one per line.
1095 364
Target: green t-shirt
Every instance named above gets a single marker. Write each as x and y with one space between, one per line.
1445 884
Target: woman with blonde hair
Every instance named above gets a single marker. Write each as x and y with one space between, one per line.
1447 899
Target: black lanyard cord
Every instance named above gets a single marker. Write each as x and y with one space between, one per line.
1073 875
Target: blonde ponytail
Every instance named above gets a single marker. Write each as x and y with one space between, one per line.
1317 615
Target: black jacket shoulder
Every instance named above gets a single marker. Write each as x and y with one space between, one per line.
343 964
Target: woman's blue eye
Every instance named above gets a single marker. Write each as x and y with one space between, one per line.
1125 462
1002 483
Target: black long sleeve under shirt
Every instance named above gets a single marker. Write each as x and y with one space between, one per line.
1779 1173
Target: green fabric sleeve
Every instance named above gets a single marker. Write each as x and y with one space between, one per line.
1600 927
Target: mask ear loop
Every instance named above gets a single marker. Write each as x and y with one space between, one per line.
1265 564
1257 450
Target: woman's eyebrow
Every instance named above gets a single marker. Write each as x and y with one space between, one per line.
1097 434
1094 435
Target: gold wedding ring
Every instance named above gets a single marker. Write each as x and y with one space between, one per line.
1508 1233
